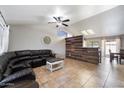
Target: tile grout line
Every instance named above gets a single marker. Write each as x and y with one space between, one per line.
87 80
106 79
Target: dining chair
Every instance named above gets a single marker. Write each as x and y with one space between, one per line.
121 55
113 56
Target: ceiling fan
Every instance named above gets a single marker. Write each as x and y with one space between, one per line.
59 21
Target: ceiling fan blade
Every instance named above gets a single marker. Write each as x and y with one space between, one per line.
57 25
55 18
66 20
59 19
51 22
64 24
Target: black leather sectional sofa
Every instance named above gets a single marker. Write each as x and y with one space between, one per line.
17 65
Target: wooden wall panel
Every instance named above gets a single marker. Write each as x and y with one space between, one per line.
75 49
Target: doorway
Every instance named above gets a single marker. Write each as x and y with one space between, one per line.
110 45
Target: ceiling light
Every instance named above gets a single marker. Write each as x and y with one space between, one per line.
58 12
84 32
59 23
90 32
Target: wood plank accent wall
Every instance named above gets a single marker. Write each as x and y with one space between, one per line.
75 49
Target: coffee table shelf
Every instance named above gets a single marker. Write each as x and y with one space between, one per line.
55 64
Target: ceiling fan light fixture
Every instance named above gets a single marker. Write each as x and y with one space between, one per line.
60 22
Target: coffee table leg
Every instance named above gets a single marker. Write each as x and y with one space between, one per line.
51 67
47 66
62 64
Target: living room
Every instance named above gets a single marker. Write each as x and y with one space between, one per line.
61 46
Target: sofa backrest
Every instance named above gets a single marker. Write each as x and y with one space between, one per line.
23 53
3 64
41 52
46 52
4 61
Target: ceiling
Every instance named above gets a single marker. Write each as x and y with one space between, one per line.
41 14
109 23
108 19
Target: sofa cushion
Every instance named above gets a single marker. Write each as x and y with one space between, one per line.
24 84
35 56
14 68
1 75
10 55
35 52
45 52
3 62
38 62
41 52
16 76
7 72
12 62
19 60
45 55
19 67
23 53
24 58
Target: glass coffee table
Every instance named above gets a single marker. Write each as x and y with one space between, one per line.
53 64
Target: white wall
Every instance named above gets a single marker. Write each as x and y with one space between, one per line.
31 37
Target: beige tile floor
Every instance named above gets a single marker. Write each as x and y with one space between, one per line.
79 74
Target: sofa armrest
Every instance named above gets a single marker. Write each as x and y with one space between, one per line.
12 69
24 65
19 67
7 72
53 55
15 76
